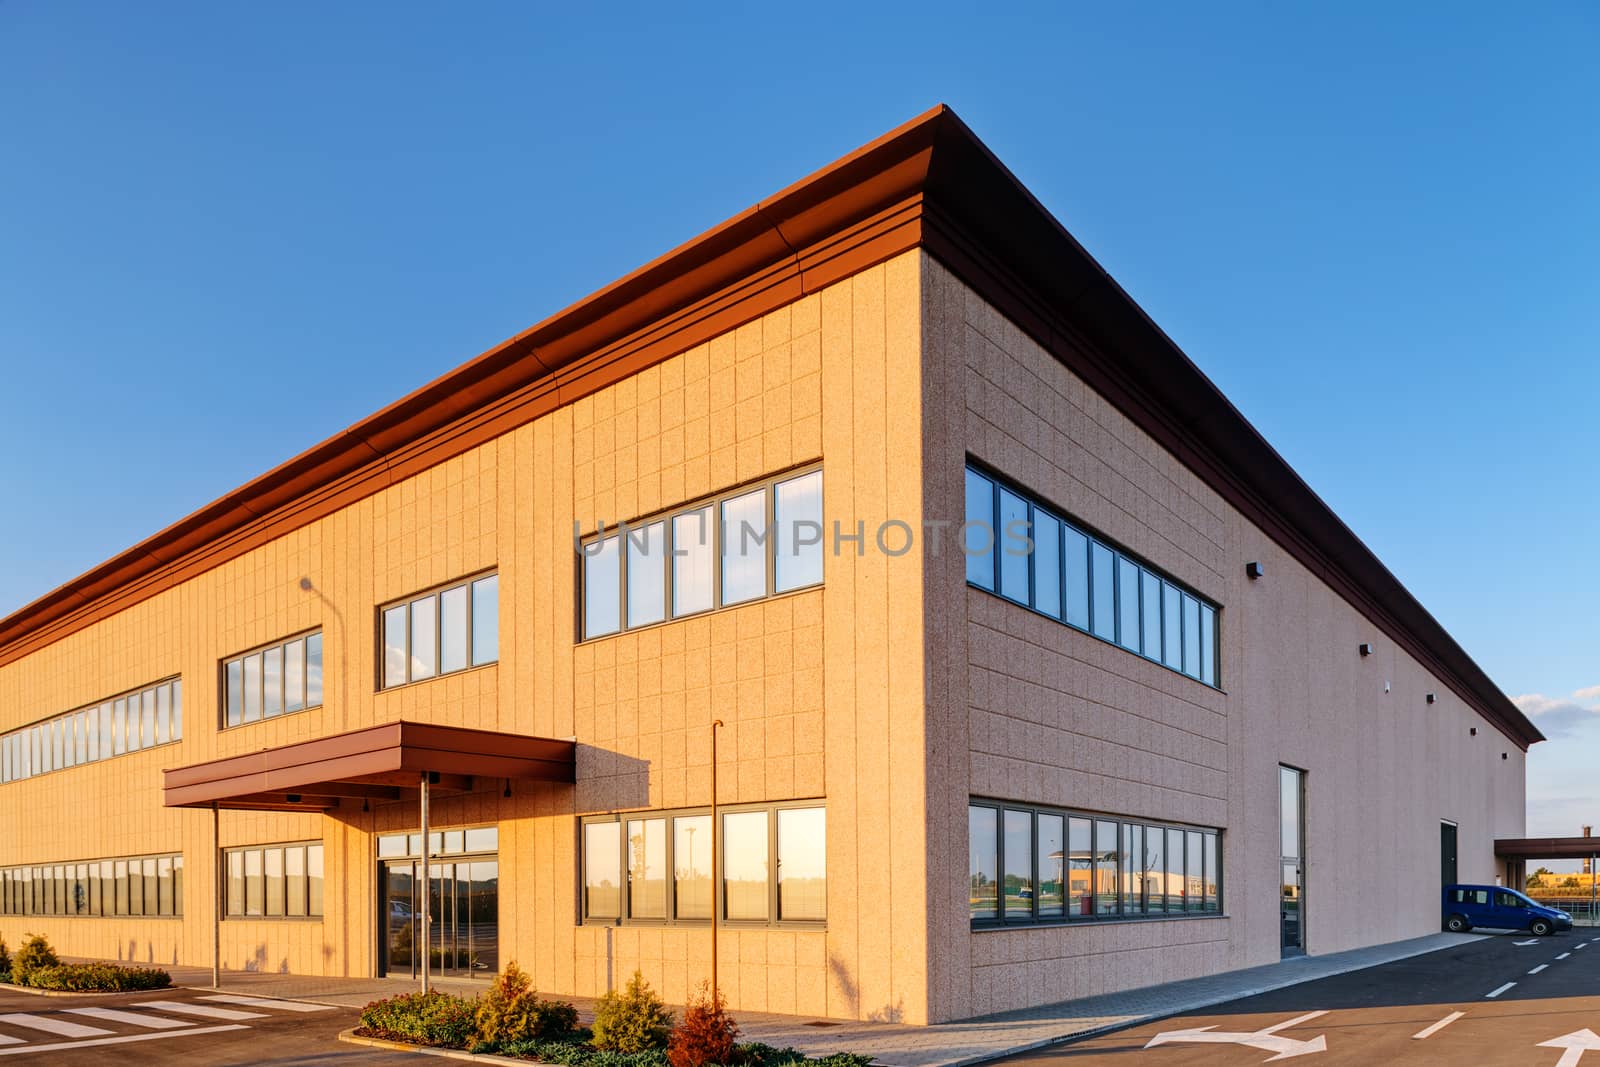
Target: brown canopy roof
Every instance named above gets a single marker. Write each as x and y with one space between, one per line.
1547 848
382 763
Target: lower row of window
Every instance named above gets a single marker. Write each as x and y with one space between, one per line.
145 885
1032 865
277 881
667 858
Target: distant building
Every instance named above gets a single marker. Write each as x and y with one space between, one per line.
1198 727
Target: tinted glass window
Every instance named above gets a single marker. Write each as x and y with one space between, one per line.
978 532
647 576
453 629
602 870
692 554
983 848
602 590
1128 629
1052 864
1047 564
647 868
744 865
1075 574
394 646
1019 864
1191 636
1103 605
799 548
1172 627
744 547
486 620
1014 546
802 863
692 865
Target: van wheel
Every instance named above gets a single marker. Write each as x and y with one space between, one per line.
1541 928
1457 924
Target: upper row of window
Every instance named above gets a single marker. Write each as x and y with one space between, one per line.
1019 549
745 545
138 720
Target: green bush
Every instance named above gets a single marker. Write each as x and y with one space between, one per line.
633 1020
432 1018
511 1012
34 955
5 961
707 1033
98 978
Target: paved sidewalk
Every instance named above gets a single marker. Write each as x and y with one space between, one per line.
899 1045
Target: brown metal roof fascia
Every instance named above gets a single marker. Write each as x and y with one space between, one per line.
989 230
1547 848
858 211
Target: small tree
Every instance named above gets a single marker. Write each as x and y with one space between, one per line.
633 1020
510 1011
707 1033
34 955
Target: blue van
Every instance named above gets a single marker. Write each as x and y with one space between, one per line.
1496 907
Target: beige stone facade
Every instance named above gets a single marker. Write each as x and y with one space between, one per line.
892 694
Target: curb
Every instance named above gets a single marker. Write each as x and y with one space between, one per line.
32 992
350 1037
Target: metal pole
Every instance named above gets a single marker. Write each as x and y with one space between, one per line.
716 862
216 902
423 896
1594 872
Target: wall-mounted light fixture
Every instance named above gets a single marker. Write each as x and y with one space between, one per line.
1504 755
507 793
293 798
1433 698
1474 731
1253 570
1366 649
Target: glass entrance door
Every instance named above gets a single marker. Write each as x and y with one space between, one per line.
463 902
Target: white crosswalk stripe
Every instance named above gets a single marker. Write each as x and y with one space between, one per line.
132 1018
200 1009
264 1002
7 1039
58 1027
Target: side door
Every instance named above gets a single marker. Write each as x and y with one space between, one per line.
1476 907
1510 911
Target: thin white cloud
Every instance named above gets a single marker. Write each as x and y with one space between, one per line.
1560 715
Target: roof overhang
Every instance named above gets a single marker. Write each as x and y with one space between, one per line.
379 764
1547 848
929 184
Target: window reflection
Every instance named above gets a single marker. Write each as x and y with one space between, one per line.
691 562
744 548
602 589
1018 858
983 844
647 868
978 532
692 860
602 870
802 863
744 865
798 507
1051 865
647 590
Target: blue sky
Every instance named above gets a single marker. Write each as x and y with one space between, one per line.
228 231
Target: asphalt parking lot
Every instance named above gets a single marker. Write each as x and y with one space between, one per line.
189 1026
1508 999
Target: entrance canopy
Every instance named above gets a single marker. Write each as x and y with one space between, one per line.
379 764
1547 848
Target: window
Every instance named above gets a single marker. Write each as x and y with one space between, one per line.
272 681
142 719
1064 867
438 632
788 839
1083 581
745 545
272 881
148 885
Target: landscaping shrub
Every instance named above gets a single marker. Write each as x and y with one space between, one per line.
511 1012
5 961
98 978
706 1035
633 1020
34 954
431 1018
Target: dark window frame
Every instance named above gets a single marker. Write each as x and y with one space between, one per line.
1119 556
718 901
280 645
468 582
282 847
714 501
1000 921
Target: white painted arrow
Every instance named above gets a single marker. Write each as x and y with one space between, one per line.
1267 1039
1520 944
1576 1044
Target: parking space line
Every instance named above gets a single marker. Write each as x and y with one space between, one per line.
1581 944
264 1002
132 1018
1497 992
200 1009
1423 1035
1539 968
58 1045
1563 956
58 1027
